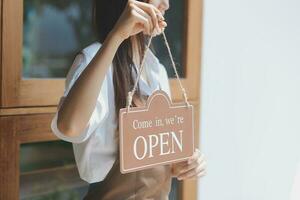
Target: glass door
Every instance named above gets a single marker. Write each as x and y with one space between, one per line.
40 39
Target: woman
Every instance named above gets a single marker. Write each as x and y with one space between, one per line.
96 88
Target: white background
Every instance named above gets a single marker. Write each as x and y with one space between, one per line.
250 117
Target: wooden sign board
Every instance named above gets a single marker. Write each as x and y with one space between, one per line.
160 133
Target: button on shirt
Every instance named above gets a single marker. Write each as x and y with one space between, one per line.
95 148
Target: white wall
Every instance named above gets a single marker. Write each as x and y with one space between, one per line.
251 100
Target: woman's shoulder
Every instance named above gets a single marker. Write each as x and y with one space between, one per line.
91 50
84 56
82 59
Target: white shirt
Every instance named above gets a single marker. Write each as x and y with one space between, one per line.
95 148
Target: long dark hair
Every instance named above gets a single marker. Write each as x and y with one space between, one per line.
105 15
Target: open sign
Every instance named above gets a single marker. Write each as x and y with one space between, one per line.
162 132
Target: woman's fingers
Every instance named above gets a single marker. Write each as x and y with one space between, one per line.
188 167
142 20
137 17
147 16
149 11
150 8
198 162
155 15
162 25
195 172
195 166
195 156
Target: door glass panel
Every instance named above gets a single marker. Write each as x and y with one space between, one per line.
173 195
175 17
48 171
53 32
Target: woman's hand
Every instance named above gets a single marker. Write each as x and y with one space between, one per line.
139 17
194 167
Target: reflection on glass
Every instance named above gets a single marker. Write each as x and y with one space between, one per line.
175 17
53 32
48 171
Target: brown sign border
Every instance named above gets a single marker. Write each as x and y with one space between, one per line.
124 111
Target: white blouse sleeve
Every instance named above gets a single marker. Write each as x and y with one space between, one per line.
100 111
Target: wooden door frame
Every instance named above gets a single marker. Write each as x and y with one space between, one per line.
188 188
14 131
43 93
19 92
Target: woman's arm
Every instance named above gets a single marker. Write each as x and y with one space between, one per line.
78 105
